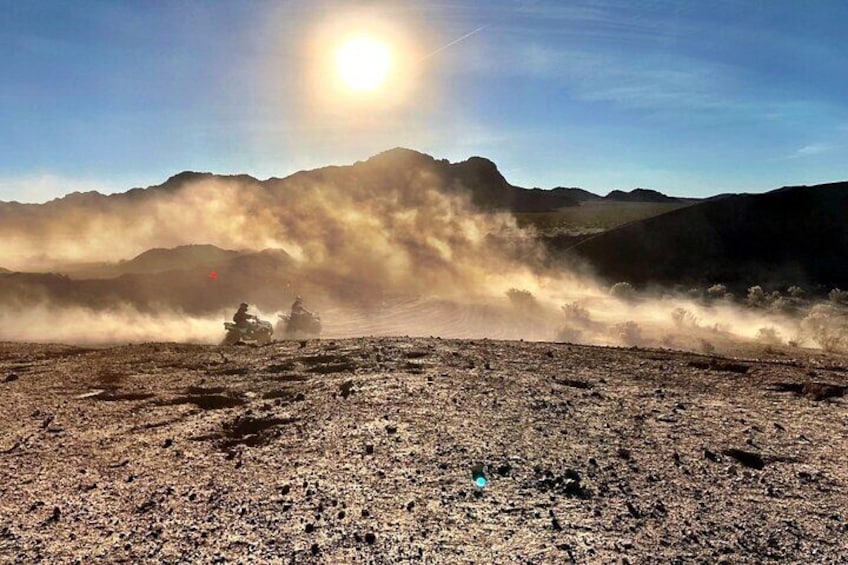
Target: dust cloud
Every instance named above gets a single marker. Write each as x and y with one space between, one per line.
45 323
386 250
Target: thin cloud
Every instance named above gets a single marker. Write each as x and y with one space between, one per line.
811 150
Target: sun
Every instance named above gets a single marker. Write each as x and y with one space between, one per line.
363 63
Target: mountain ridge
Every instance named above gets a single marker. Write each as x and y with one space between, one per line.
480 175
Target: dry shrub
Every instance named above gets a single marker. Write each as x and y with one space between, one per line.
576 314
629 333
570 335
717 291
521 298
684 318
826 325
838 296
623 291
769 336
795 291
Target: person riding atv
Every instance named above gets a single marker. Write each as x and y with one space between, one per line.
247 327
297 308
242 318
300 324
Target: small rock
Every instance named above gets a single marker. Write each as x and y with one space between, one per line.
345 388
554 522
710 455
309 528
624 453
11 377
55 516
369 449
370 538
391 429
410 506
746 458
168 443
504 470
315 549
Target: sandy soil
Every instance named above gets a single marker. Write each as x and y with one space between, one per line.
361 451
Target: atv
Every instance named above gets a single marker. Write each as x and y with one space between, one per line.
257 331
299 326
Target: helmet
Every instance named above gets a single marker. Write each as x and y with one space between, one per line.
243 305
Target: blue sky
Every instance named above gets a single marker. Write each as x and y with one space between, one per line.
690 98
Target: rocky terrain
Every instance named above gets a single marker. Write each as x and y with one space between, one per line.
361 451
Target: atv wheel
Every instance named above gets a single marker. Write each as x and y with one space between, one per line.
231 338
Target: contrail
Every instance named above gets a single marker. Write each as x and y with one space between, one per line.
454 42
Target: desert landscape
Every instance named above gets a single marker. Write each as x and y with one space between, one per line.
379 282
614 423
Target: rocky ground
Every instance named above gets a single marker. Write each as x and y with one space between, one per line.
361 451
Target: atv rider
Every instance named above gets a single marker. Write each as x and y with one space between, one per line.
242 318
297 308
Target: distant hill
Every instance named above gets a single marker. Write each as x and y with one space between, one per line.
639 195
152 261
793 235
182 257
264 277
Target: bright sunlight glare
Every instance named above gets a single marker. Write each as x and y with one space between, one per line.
363 63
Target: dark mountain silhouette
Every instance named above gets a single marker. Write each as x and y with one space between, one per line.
639 195
477 176
793 235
